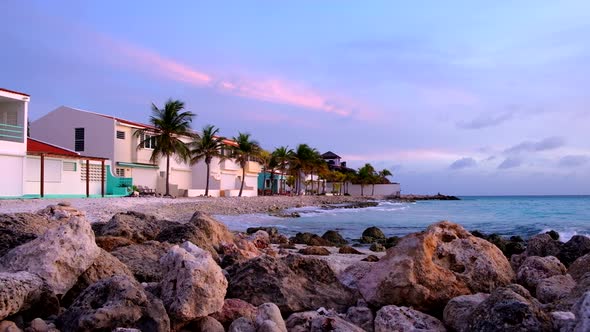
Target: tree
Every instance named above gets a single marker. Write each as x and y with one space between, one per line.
301 160
207 147
282 156
365 176
169 124
244 150
265 158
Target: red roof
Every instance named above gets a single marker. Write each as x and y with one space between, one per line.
11 91
34 146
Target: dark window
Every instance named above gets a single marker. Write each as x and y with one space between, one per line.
149 141
120 134
79 139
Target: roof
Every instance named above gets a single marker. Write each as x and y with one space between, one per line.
37 147
12 91
330 155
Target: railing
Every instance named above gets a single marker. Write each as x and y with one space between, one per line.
11 133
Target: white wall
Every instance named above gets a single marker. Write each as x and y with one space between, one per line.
380 189
57 127
11 181
144 176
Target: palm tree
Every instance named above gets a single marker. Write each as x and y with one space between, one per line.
265 158
245 150
380 177
300 162
207 147
365 175
282 156
169 124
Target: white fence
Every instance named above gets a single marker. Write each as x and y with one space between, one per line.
391 189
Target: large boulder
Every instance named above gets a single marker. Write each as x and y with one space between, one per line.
580 267
110 243
301 321
310 239
270 312
294 283
404 319
193 285
233 309
314 250
542 245
582 311
554 288
334 237
510 308
178 234
105 266
214 230
372 234
425 270
135 226
22 291
535 268
117 301
59 256
20 228
460 308
143 259
576 247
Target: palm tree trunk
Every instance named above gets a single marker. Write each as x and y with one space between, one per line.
362 189
243 179
312 181
207 183
264 184
167 175
373 190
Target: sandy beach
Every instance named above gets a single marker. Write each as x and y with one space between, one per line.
176 209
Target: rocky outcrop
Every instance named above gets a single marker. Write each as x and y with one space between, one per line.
335 238
314 250
135 226
294 283
573 249
535 268
509 308
22 291
105 266
554 288
143 259
460 308
404 319
580 267
59 256
193 285
233 309
425 270
115 302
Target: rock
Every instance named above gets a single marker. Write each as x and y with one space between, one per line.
233 309
349 250
404 319
314 250
178 234
377 247
576 247
135 226
372 234
22 291
459 308
427 269
20 228
370 258
270 312
580 267
38 325
301 321
332 323
105 266
205 324
309 239
261 239
563 321
509 308
517 260
542 245
554 235
8 326
272 232
10 238
361 317
215 231
513 245
582 311
334 237
554 288
535 268
59 256
59 212
391 242
193 285
242 324
143 259
110 243
294 283
565 303
268 326
114 302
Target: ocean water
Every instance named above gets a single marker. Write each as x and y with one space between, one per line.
504 215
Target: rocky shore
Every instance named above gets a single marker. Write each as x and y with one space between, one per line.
140 271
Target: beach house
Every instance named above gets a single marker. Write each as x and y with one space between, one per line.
114 138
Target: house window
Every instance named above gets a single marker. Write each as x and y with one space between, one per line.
120 172
149 141
120 134
69 166
79 139
267 183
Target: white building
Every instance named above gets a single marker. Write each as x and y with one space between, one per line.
109 137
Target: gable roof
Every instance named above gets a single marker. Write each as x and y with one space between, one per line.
35 146
330 155
16 92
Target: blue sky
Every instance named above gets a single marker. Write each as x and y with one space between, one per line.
460 97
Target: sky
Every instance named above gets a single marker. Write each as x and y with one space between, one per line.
457 97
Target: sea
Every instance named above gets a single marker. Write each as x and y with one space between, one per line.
504 215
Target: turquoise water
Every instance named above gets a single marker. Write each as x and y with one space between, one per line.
505 215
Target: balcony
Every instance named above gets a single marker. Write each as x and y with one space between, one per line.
12 133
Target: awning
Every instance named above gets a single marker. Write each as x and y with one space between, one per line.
136 165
